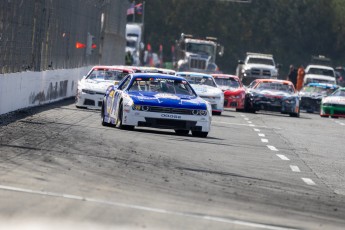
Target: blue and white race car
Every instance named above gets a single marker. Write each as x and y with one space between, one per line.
158 101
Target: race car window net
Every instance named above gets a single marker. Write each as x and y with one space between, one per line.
107 74
231 82
171 86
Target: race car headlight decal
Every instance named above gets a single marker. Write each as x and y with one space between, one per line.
203 112
199 112
141 107
145 108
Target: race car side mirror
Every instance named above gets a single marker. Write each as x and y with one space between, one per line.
240 62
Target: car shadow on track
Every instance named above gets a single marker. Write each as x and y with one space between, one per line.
281 115
172 134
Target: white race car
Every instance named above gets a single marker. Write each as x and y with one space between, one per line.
158 101
206 87
92 87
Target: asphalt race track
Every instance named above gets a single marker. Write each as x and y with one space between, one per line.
60 169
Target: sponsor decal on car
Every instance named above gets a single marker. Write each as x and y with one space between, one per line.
171 116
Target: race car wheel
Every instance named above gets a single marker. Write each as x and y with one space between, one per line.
336 117
216 113
294 114
324 116
199 134
119 120
181 132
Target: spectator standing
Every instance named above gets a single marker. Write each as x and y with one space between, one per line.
129 58
300 78
292 76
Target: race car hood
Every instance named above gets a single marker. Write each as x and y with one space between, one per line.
167 100
313 95
231 91
334 100
206 90
271 93
96 85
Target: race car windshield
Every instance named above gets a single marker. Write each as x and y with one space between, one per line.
275 86
324 72
161 85
318 89
106 74
230 82
264 61
201 80
339 93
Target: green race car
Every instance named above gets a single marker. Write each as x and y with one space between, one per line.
334 105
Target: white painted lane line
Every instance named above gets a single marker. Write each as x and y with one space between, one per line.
242 115
308 181
227 123
295 168
249 122
247 119
261 135
148 209
257 130
341 123
264 140
283 157
272 148
251 125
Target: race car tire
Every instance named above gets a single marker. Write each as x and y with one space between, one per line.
199 134
239 110
295 114
119 120
216 113
181 132
103 117
335 117
324 116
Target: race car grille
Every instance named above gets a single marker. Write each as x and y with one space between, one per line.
89 102
159 109
309 103
197 63
168 123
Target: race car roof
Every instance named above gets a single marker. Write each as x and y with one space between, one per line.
112 67
324 85
193 74
274 80
157 75
226 76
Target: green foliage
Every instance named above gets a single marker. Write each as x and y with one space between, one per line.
292 30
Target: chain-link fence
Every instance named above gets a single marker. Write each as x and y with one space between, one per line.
42 34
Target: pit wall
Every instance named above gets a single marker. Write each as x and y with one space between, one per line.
27 89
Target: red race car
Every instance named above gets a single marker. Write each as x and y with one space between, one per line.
234 93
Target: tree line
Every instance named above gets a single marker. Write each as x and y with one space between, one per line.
291 30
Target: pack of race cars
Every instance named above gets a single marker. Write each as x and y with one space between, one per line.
131 97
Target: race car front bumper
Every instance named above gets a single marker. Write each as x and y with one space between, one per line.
89 99
167 120
332 110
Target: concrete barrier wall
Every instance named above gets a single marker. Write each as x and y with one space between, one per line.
28 89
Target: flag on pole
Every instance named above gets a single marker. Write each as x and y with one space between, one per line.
139 8
130 10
